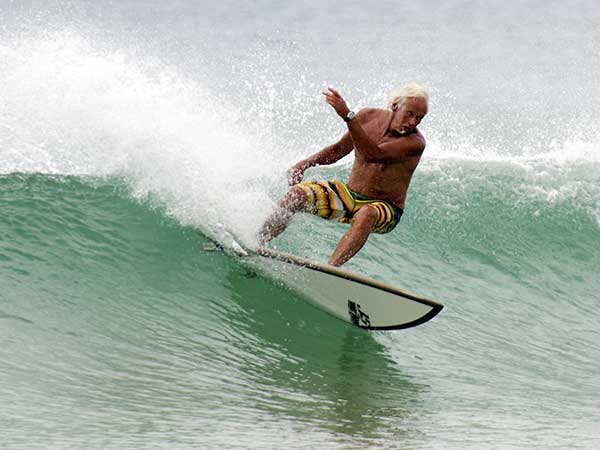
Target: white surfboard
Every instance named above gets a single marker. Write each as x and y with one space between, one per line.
351 297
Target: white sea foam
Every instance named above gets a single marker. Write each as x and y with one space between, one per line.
72 109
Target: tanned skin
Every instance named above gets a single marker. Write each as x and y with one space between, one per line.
387 147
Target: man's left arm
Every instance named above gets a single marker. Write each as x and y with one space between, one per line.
401 149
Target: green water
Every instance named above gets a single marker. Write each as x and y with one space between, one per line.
118 330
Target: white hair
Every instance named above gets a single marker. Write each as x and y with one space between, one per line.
412 90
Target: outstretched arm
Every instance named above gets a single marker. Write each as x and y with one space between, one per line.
328 155
400 149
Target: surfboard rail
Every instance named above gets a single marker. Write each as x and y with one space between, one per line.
361 303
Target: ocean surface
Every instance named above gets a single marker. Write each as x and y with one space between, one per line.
132 132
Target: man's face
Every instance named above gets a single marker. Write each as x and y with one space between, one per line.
408 115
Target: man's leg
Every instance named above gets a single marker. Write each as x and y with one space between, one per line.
355 237
292 202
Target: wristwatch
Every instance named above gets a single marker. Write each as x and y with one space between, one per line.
349 116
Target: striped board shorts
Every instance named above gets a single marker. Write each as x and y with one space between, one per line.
333 200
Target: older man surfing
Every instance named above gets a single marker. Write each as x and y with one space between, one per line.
387 147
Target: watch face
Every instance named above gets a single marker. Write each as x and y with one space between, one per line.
350 116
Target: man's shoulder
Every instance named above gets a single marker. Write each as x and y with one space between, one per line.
370 114
419 137
418 142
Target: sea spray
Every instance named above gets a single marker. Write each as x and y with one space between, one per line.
74 110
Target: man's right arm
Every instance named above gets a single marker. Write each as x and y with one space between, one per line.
328 155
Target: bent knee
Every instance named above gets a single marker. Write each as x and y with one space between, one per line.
294 200
366 216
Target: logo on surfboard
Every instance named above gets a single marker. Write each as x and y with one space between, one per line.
357 316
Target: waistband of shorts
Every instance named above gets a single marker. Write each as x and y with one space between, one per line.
358 196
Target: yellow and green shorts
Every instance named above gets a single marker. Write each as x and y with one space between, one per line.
333 200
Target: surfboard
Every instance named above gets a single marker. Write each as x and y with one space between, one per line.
349 296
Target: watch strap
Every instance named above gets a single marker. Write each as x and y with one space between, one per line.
349 116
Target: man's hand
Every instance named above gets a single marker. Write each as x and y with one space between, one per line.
295 174
334 98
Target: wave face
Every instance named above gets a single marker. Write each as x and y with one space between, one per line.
131 135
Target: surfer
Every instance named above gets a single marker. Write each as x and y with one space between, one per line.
387 147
